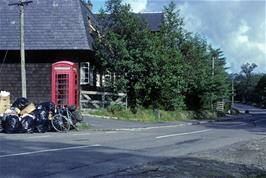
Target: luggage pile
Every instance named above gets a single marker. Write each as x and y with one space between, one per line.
27 117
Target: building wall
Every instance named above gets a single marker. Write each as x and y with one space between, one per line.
38 81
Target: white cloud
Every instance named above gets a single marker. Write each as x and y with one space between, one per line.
192 22
241 34
239 30
243 28
137 5
245 49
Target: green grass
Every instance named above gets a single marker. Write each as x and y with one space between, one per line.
83 126
148 115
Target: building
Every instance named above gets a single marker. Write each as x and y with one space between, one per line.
55 30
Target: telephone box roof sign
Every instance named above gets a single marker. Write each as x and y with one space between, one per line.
64 65
64 62
59 63
62 68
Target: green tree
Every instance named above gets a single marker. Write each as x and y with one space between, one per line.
261 86
166 69
261 91
172 64
124 50
205 83
246 82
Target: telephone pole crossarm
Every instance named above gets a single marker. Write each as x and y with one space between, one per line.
21 3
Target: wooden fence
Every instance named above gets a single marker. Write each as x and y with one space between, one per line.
96 99
220 106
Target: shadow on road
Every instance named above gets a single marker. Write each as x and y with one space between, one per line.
256 123
98 161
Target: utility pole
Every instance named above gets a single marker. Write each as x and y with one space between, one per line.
233 92
213 68
212 107
21 5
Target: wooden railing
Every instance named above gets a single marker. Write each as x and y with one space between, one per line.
96 99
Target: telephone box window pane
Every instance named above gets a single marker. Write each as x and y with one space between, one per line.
62 88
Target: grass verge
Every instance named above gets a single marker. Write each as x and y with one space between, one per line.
83 126
148 115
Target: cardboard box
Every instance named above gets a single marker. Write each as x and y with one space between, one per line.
4 103
30 108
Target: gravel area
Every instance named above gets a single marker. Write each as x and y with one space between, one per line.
252 153
243 159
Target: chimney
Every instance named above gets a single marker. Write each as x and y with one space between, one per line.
89 5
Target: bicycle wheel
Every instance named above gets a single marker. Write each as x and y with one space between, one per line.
60 123
72 121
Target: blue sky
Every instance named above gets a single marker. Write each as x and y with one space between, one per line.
238 27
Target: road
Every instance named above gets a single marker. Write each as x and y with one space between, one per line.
117 145
243 108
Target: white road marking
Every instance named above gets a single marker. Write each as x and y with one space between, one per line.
95 145
180 134
80 134
46 151
110 132
40 136
155 127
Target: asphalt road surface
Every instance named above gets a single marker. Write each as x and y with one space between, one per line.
117 145
243 108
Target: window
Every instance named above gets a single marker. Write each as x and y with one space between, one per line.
85 73
91 27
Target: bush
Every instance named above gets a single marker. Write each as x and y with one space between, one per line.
227 107
234 111
204 114
114 108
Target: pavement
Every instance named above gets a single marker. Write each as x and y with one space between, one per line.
112 146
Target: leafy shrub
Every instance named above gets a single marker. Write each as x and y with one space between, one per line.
227 106
115 107
234 111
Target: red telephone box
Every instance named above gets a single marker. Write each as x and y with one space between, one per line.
65 85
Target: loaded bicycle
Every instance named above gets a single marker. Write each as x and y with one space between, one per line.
65 118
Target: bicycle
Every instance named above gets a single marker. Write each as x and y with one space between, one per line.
60 123
65 119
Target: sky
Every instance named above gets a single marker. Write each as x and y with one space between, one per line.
238 27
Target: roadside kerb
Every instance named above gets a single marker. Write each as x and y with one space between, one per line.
233 117
102 117
189 123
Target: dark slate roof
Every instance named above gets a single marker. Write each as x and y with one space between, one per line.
154 20
49 25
